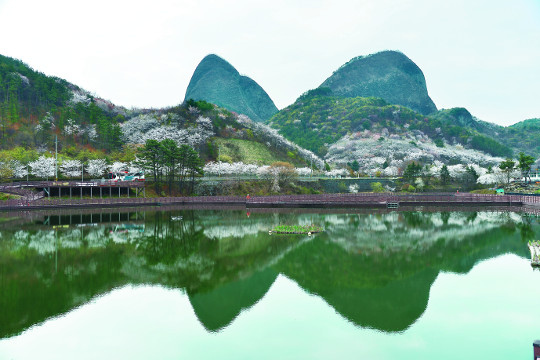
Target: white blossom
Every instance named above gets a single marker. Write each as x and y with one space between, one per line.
336 173
96 167
134 129
487 179
305 171
80 96
133 167
118 166
19 170
91 132
369 153
390 171
73 129
71 168
44 167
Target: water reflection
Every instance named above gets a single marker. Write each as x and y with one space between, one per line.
376 270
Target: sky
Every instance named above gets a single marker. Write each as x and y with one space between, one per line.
483 55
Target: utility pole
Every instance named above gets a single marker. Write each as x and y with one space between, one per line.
56 157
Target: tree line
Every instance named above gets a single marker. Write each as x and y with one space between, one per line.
170 164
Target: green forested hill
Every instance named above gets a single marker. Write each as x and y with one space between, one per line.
35 107
318 119
23 91
524 135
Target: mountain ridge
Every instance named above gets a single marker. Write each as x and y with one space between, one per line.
389 75
215 80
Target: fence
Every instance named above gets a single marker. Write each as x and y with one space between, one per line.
322 200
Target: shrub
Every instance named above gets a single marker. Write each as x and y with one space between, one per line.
225 158
377 187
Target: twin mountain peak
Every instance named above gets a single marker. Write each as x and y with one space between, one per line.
389 75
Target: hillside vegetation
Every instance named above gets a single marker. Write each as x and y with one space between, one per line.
374 134
319 119
250 152
524 135
36 109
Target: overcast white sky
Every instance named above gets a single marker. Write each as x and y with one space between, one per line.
480 54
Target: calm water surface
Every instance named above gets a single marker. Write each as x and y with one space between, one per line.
201 284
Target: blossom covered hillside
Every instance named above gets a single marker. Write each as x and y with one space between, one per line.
319 118
389 157
39 111
205 127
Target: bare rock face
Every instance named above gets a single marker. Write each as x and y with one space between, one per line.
389 75
218 82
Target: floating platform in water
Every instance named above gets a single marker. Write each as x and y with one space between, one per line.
534 247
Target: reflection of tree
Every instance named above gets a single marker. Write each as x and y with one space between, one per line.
526 229
170 239
472 216
445 216
414 219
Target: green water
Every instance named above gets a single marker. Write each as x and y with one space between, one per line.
207 284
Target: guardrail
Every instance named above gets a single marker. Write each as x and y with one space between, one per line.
322 200
67 183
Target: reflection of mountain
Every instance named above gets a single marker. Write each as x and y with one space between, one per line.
219 307
32 290
387 289
367 292
47 271
375 270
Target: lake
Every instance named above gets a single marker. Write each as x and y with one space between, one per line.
207 284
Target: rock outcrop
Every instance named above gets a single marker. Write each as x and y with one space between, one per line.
389 75
218 82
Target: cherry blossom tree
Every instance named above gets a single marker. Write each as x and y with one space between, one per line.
44 167
97 167
118 166
487 179
19 169
73 129
305 171
71 168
